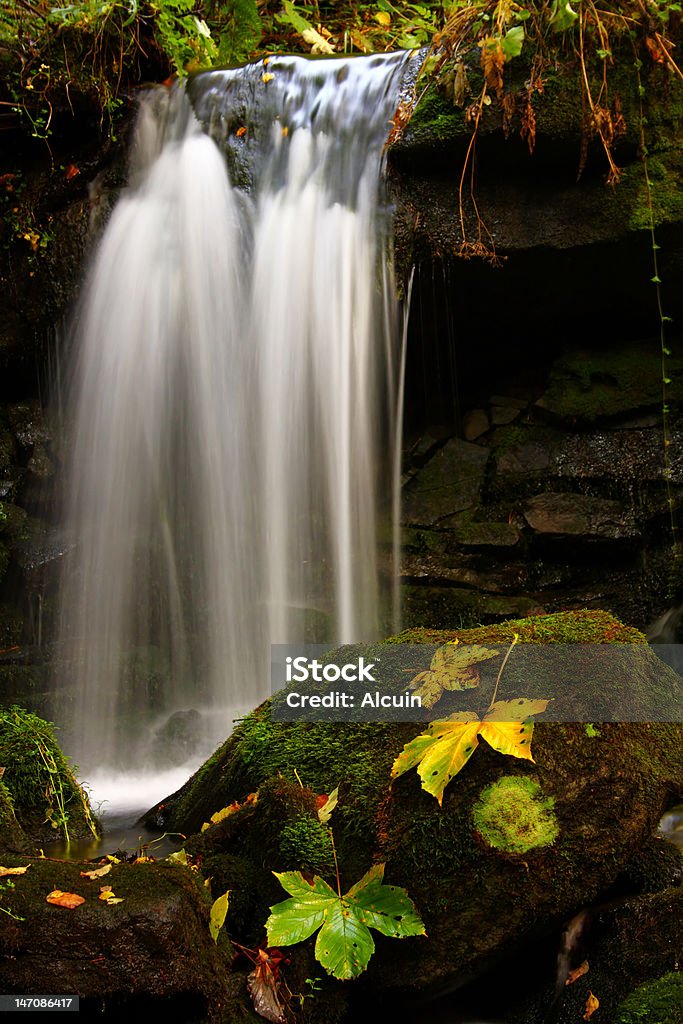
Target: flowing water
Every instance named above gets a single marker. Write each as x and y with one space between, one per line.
236 396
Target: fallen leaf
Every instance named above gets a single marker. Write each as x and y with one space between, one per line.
13 871
446 747
98 873
267 77
592 1004
241 131
265 988
144 860
383 18
68 900
325 812
107 895
225 812
71 171
451 668
577 973
218 914
317 42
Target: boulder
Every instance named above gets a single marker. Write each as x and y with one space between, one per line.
449 483
567 838
580 516
150 954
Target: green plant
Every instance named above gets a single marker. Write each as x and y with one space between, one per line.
6 886
39 777
536 37
344 944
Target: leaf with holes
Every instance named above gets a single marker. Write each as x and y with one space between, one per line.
344 944
451 668
446 747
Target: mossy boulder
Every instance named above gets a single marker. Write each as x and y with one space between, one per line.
478 901
149 956
46 798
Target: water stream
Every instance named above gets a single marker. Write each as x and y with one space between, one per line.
236 393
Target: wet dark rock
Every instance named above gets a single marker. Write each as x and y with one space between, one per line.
29 425
474 424
502 414
626 943
577 515
509 402
178 738
450 482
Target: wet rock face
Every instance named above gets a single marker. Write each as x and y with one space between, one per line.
564 506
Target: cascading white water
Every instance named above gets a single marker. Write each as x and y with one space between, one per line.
235 400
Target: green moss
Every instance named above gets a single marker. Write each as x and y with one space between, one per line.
11 834
436 121
610 382
305 845
511 815
42 785
580 627
656 1002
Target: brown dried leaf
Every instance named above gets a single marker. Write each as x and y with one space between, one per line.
265 988
492 62
13 871
577 973
592 1004
97 873
68 900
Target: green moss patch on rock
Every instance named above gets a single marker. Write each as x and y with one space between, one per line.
656 1002
45 794
513 816
598 385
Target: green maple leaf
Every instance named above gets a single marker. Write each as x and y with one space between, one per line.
344 944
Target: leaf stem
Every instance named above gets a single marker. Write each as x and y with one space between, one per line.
336 863
505 661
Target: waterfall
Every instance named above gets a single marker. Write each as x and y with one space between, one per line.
235 403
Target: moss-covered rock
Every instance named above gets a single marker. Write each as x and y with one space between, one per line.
477 900
150 955
46 797
656 1002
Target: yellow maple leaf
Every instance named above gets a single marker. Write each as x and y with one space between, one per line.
446 747
451 668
